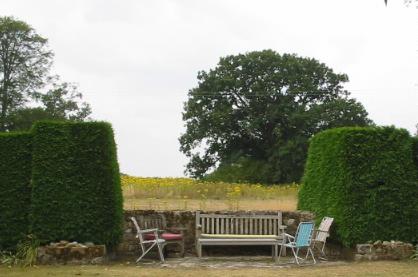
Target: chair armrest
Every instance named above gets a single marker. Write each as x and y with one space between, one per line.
289 236
155 230
320 231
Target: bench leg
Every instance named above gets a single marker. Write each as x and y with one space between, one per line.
182 248
283 251
199 249
276 252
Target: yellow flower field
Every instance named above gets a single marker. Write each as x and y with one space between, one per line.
186 193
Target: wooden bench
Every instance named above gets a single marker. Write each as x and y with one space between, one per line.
228 229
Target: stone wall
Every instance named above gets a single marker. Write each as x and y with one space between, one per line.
74 253
186 219
393 250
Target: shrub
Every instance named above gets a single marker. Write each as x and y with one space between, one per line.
15 191
76 184
365 179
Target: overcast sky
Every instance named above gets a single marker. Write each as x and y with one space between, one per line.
135 61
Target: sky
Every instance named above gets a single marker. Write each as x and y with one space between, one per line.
135 60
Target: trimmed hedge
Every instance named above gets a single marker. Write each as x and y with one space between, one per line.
366 179
76 184
15 190
415 151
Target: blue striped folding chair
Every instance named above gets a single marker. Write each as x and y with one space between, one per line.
301 240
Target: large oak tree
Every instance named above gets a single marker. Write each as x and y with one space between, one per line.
250 118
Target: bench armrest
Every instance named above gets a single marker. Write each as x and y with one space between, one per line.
198 226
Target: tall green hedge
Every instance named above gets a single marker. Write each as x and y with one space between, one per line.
366 179
76 185
15 174
415 151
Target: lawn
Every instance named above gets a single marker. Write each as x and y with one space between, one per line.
381 269
188 194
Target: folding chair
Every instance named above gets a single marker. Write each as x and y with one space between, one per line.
321 235
148 244
302 239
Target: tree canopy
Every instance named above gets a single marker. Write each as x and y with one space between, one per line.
25 62
250 118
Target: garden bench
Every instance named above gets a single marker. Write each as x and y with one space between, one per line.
228 229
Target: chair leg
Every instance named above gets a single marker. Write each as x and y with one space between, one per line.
281 251
145 251
160 251
324 256
313 258
296 256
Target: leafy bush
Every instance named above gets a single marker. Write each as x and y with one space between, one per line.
25 254
15 174
364 178
76 184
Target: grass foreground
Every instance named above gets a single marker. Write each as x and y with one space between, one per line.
382 269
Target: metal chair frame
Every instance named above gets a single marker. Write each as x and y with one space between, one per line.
302 239
321 235
159 221
147 245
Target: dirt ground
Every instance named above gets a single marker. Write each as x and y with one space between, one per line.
372 269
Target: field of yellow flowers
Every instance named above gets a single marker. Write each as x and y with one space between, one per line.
190 194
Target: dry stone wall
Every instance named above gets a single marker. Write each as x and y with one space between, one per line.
74 253
393 250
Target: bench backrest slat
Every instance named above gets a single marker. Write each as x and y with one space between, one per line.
240 224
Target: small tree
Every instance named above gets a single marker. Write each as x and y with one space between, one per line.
25 61
24 64
63 101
